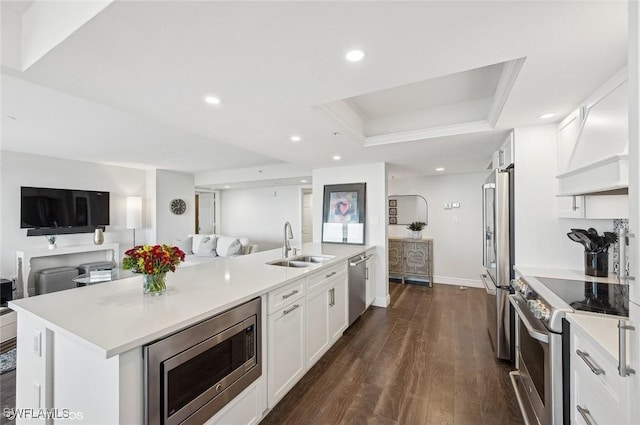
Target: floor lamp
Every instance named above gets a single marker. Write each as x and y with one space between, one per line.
134 214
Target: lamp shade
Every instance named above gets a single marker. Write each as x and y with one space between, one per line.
134 212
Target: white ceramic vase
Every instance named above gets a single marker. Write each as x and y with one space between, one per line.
416 234
52 246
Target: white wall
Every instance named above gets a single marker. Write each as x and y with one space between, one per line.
375 176
171 185
456 233
260 213
541 237
31 170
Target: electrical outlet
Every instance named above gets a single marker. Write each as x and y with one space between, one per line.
447 206
455 205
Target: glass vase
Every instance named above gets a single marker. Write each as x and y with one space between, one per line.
155 284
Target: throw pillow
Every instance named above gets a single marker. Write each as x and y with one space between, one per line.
228 246
197 239
185 245
207 247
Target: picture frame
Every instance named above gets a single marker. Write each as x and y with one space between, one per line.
343 213
393 211
393 220
393 203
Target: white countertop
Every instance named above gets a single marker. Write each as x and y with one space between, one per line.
537 271
114 317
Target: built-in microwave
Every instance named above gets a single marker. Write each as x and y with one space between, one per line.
192 374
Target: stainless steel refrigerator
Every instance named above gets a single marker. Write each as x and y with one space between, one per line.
498 258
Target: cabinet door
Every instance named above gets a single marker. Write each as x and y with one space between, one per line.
317 325
396 254
416 258
337 308
506 153
570 206
286 363
370 270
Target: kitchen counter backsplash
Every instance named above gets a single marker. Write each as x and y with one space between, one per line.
619 223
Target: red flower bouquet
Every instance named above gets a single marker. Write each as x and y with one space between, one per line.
154 262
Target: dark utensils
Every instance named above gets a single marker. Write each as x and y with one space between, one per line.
591 241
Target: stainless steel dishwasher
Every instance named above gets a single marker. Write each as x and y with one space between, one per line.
357 286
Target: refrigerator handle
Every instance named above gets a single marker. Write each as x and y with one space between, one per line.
484 225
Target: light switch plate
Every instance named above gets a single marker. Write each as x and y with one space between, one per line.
447 206
455 205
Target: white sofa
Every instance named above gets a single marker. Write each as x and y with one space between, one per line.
222 246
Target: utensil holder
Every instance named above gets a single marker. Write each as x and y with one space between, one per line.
596 264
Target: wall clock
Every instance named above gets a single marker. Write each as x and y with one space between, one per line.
178 206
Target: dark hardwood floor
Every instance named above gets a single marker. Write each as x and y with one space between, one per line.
426 359
7 395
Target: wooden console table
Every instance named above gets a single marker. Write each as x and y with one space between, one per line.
411 258
23 258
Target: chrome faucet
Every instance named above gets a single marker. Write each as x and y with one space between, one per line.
285 240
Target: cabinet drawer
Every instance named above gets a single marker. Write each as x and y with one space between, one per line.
283 296
609 379
323 275
595 400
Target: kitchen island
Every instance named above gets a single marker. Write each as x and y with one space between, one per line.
80 349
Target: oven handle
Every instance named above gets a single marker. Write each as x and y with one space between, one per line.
490 291
535 334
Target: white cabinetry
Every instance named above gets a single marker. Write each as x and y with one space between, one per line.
504 157
286 332
593 142
594 206
599 395
326 311
337 308
370 278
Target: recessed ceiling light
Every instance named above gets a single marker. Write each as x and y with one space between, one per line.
304 181
545 116
355 55
212 100
227 187
337 158
296 138
440 169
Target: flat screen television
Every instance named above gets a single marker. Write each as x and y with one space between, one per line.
54 211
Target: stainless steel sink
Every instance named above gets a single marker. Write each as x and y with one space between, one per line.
312 258
289 263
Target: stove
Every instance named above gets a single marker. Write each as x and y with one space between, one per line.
542 382
549 299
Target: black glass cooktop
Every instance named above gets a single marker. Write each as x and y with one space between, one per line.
604 298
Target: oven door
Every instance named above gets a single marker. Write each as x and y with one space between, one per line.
539 353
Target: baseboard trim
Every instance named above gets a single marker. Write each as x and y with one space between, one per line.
445 280
382 301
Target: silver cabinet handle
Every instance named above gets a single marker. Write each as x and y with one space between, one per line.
587 359
623 370
290 294
366 273
331 274
586 415
291 309
574 207
332 297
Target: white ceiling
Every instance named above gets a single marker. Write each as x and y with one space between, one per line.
127 87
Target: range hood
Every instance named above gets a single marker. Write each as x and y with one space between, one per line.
605 176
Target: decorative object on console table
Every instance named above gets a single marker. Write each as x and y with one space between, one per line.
416 229
154 262
98 237
134 214
343 217
52 241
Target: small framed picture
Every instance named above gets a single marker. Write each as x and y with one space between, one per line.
393 211
393 202
393 220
